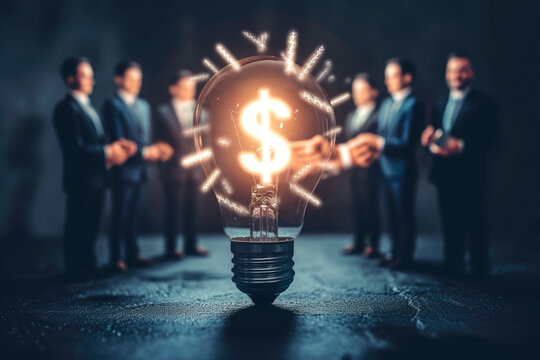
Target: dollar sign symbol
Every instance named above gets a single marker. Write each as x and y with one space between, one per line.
269 140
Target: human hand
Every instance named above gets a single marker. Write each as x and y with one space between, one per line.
129 146
115 154
310 151
151 153
365 148
428 136
165 150
452 146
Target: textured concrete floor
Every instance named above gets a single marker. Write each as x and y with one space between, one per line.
337 308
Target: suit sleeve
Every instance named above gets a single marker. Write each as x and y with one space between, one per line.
402 146
68 130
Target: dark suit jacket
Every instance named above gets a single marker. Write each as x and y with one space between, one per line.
82 148
475 124
120 122
167 128
370 125
402 135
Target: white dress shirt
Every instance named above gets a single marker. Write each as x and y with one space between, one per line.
184 112
360 116
127 97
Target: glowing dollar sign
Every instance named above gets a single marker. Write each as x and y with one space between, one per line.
266 166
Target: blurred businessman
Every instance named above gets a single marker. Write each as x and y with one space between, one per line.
128 116
364 181
460 136
86 158
401 117
173 124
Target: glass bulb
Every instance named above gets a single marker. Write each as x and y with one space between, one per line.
247 117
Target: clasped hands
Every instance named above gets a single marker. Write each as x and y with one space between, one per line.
363 149
451 146
119 151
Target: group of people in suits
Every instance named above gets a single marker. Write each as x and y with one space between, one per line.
382 150
113 150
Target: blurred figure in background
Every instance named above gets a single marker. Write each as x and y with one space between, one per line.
86 157
173 124
127 116
460 135
364 180
401 118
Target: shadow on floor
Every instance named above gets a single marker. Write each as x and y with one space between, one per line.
257 332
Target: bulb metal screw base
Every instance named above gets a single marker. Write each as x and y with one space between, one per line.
262 270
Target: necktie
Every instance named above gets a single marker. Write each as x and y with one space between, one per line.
449 116
355 122
92 113
137 118
390 113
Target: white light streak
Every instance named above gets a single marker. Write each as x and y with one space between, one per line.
314 100
306 195
200 77
325 71
195 129
210 180
291 53
311 62
340 99
334 131
260 42
223 142
231 205
210 65
302 173
195 158
227 186
227 56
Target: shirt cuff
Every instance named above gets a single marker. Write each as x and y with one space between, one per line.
381 143
345 156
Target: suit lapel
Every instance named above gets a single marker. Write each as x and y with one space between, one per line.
89 122
173 118
367 124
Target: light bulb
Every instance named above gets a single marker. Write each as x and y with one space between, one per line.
249 114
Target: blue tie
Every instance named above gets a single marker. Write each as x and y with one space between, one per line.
450 113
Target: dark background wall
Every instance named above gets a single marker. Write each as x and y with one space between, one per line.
501 37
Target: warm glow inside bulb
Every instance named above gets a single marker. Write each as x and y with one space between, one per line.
262 109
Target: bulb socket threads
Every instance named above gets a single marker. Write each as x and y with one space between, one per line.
262 270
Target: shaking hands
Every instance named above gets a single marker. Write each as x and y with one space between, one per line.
311 151
365 148
359 151
118 152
